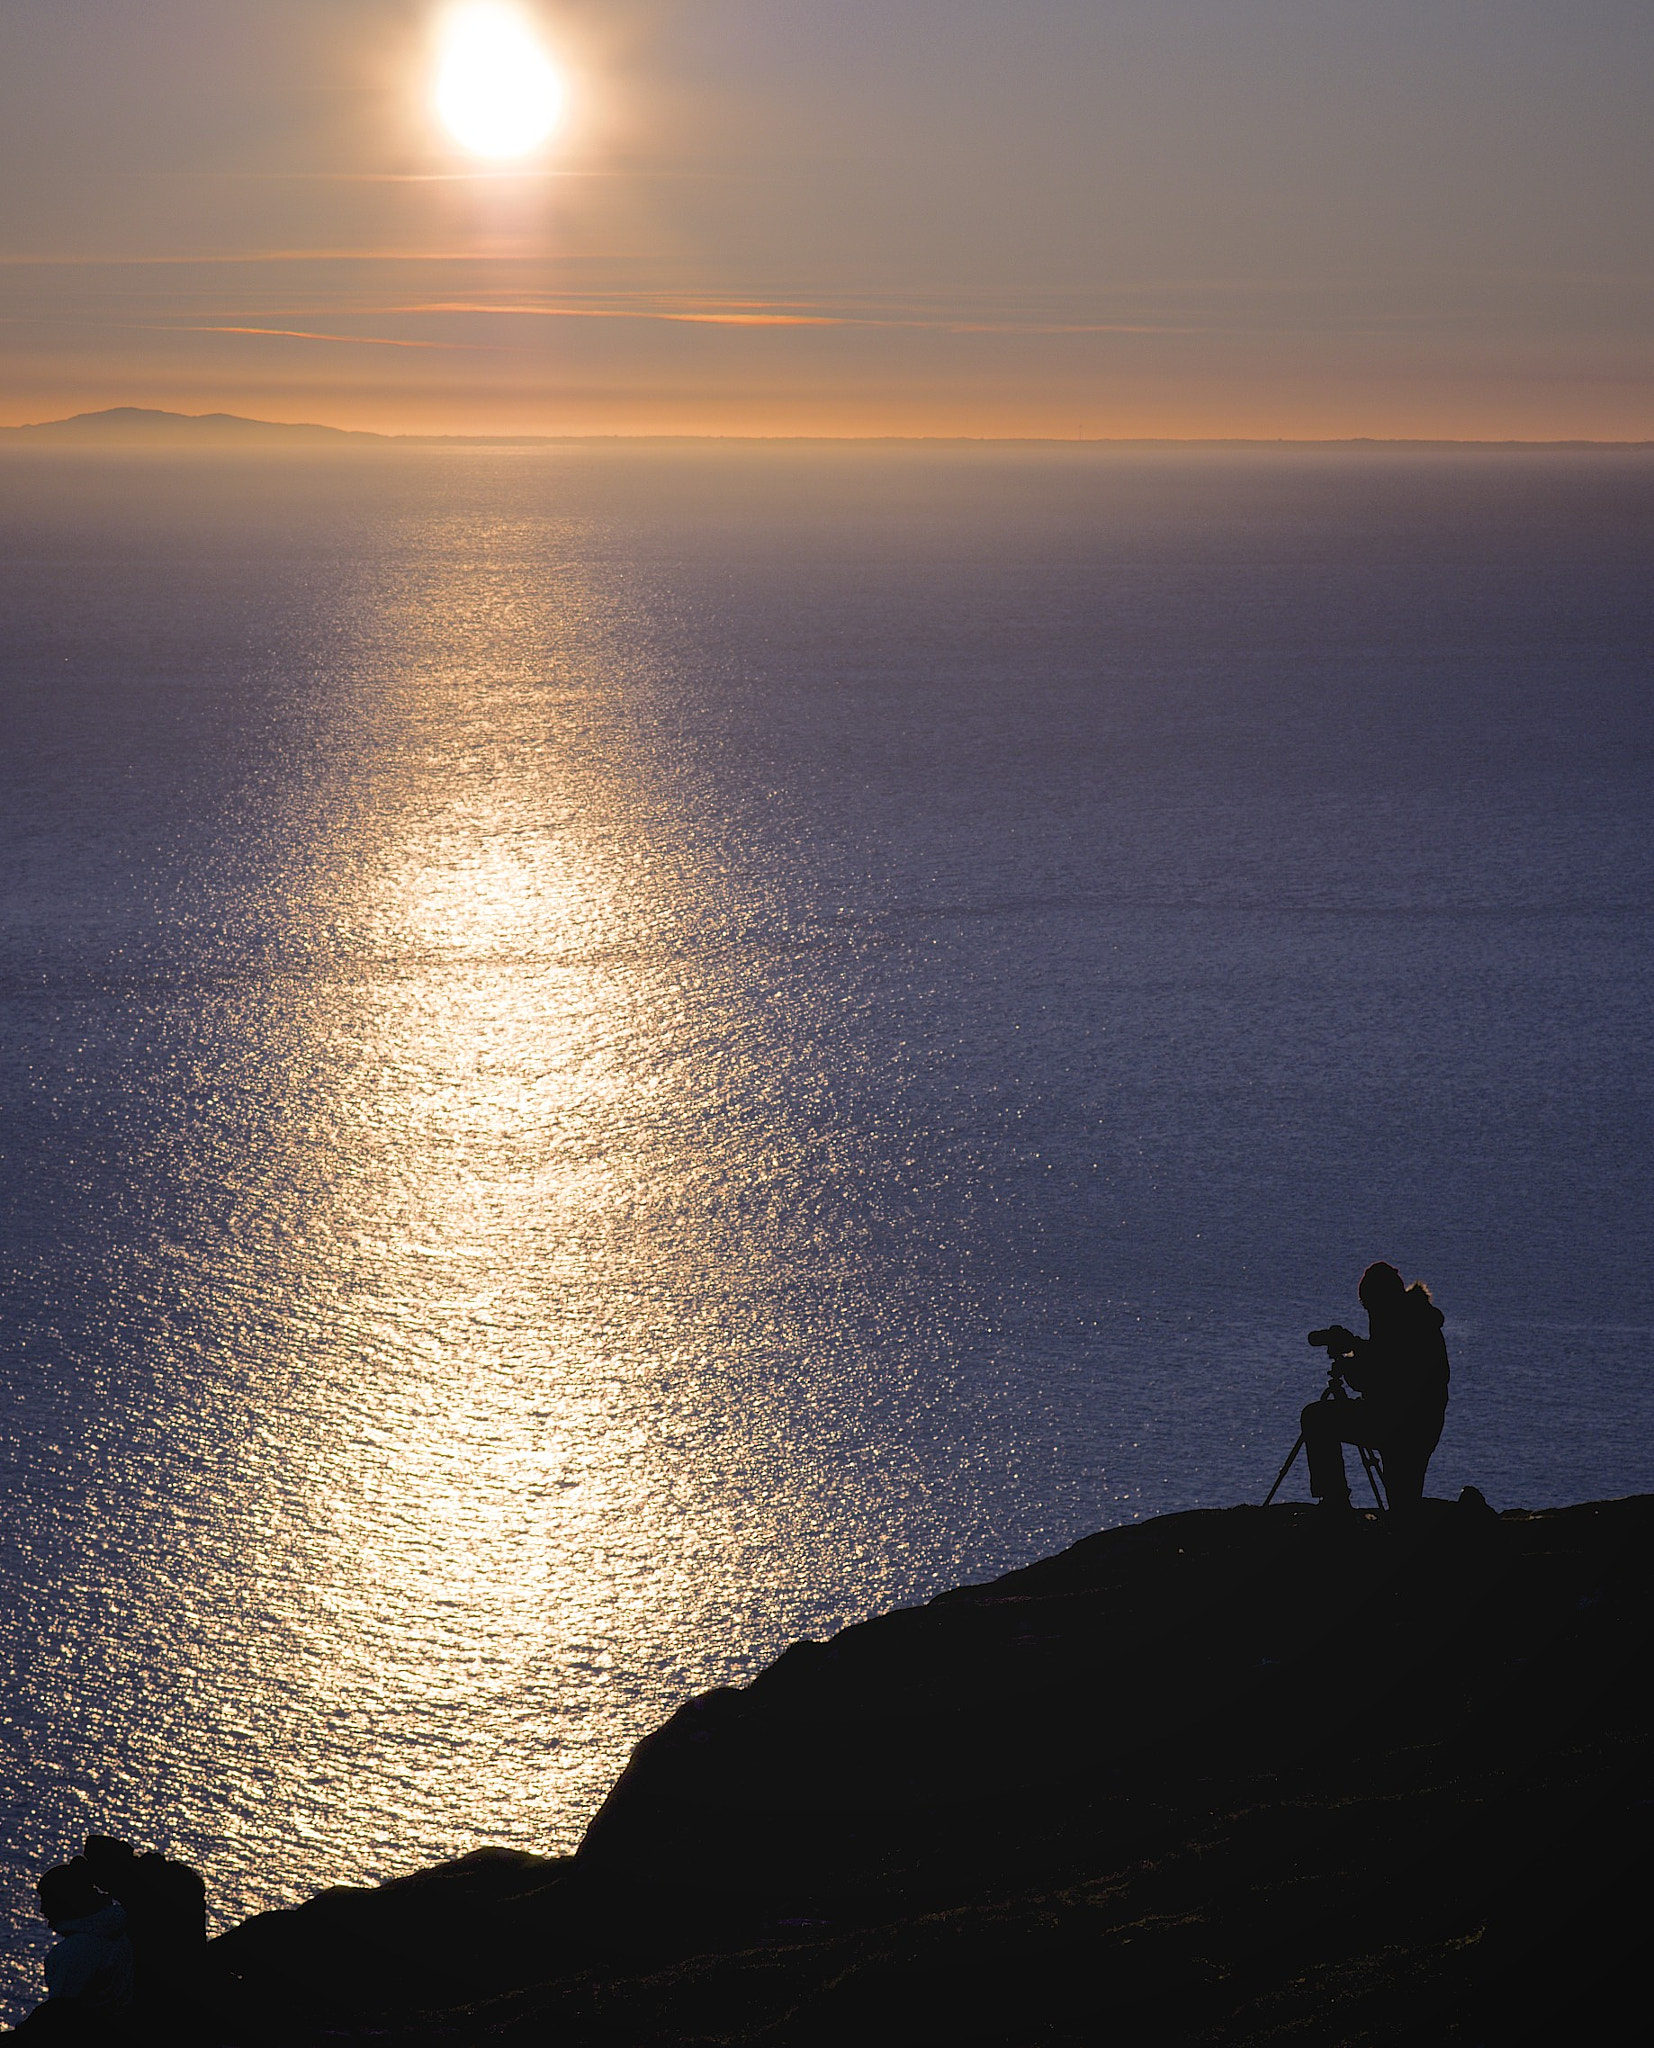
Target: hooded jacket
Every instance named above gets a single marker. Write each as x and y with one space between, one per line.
1403 1364
91 1960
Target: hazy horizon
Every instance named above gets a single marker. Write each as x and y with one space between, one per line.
124 414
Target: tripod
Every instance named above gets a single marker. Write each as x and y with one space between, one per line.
1369 1459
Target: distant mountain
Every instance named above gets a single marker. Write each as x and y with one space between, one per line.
138 424
142 426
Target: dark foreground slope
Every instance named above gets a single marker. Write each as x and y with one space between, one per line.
1230 1777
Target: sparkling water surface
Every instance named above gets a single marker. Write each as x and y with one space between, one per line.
612 1056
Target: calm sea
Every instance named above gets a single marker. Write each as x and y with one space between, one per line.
613 1056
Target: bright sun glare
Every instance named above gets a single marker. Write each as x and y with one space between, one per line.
496 91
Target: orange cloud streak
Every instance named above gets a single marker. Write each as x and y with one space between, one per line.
304 334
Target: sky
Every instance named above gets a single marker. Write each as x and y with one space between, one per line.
1253 218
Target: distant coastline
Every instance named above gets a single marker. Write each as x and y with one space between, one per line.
134 426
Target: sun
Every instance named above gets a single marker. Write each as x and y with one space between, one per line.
496 91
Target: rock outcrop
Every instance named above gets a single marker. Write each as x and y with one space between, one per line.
1229 1777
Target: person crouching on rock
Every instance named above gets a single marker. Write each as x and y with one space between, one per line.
88 1967
1400 1372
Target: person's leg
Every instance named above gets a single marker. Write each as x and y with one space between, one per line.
1406 1454
1403 1475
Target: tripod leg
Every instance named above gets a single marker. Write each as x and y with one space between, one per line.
1285 1469
1370 1465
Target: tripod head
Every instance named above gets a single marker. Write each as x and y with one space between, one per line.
1339 1345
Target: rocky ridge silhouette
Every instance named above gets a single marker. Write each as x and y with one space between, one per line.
1237 1776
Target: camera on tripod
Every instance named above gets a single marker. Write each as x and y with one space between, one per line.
1339 1345
1335 1341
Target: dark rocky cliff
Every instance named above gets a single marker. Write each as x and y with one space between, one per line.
1230 1777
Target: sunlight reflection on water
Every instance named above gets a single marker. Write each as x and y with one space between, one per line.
462 1504
477 1339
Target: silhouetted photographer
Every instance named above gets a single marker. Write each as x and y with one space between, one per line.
1399 1373
89 1969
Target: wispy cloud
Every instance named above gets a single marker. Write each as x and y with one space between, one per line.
305 334
746 313
513 177
683 306
744 319
495 177
233 259
733 316
592 286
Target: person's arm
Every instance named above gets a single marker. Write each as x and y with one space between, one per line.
1359 1366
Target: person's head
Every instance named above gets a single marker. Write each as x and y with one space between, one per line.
67 1893
1382 1291
108 1859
